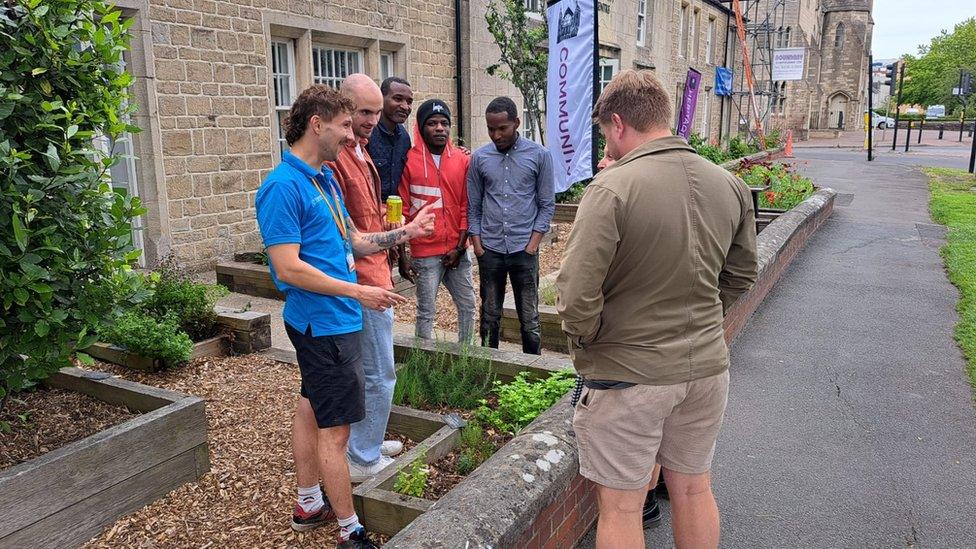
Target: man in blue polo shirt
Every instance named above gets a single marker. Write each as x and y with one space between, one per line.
312 245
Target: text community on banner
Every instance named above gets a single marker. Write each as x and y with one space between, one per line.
569 93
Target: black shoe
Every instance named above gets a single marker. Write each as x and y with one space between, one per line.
661 489
302 521
358 540
652 511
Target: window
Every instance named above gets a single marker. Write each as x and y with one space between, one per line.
331 65
608 69
710 40
683 32
706 103
537 6
641 21
123 172
386 65
283 79
786 38
693 35
839 37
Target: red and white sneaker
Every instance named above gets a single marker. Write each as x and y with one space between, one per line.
303 521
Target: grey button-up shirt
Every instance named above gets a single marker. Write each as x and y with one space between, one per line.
510 195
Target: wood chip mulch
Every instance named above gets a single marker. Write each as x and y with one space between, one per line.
246 499
47 419
550 258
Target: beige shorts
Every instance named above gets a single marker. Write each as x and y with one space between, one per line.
622 432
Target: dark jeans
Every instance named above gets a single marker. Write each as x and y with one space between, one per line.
523 269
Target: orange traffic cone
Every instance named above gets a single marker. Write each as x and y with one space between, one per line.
788 149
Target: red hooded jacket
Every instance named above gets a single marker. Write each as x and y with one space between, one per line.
445 187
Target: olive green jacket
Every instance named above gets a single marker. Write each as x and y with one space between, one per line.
664 241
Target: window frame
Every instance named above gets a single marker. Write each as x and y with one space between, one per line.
641 22
277 107
683 32
335 79
710 41
613 64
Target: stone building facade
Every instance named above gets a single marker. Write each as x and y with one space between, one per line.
214 78
833 95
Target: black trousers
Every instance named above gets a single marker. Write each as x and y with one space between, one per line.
523 269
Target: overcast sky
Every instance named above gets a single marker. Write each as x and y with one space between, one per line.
900 26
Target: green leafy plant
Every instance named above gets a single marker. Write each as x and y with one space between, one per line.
65 233
738 147
148 336
192 303
522 400
521 42
548 293
713 153
444 379
786 188
475 448
412 479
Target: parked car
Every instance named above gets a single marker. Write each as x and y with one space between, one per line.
881 122
934 111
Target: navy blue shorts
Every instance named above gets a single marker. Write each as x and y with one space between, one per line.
332 376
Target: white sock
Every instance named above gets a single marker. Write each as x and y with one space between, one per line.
348 526
310 499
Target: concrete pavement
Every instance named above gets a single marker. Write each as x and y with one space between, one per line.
850 419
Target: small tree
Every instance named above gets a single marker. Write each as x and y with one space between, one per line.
520 40
65 234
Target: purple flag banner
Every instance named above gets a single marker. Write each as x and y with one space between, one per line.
689 100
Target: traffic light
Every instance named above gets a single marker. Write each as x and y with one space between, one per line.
891 75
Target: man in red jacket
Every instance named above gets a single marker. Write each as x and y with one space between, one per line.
436 174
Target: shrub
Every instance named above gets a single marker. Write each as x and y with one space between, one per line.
522 400
192 303
573 194
786 189
412 479
713 153
738 147
65 234
443 379
151 337
773 139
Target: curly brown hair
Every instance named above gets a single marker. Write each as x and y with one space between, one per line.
319 100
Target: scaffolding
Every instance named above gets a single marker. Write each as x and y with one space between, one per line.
765 29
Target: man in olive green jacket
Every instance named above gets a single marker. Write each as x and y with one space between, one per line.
664 242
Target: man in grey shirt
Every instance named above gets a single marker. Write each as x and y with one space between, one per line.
510 205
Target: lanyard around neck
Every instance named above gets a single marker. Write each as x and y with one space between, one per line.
338 221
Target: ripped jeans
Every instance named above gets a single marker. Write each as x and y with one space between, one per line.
523 269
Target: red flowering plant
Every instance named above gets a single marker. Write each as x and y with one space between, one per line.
784 188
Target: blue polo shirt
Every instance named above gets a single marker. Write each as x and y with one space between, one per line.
290 210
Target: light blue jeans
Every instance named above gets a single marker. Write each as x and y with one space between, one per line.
458 282
376 341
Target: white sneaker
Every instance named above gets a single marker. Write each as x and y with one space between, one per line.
362 473
391 447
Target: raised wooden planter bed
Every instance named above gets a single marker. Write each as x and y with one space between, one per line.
380 508
244 332
65 497
253 279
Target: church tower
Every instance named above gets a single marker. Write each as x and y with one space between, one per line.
845 44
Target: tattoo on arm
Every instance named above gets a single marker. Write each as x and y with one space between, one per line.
385 240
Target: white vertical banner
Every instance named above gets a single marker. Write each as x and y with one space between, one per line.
569 92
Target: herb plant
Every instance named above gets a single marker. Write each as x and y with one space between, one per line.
522 400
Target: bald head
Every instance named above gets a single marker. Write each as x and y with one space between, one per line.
369 103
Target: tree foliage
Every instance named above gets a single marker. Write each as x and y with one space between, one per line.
65 235
521 42
931 76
